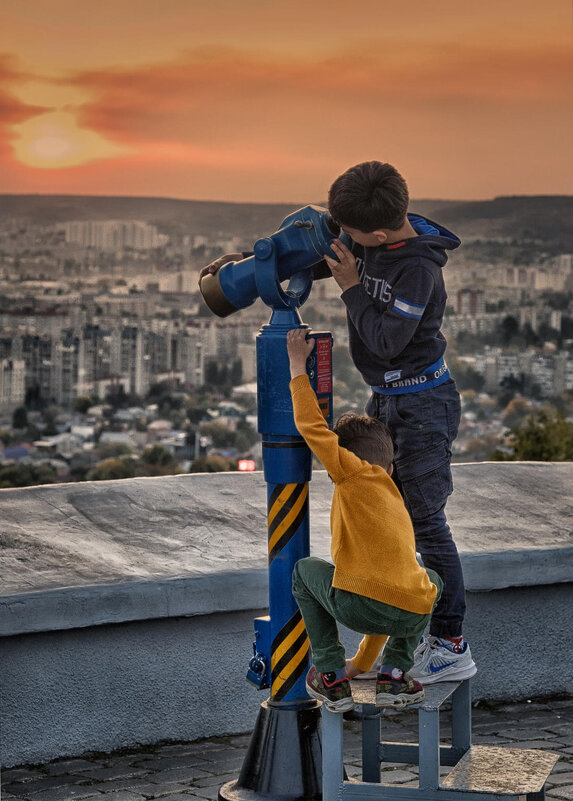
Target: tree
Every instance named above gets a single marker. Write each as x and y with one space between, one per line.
248 432
515 412
219 434
509 329
83 403
20 418
26 475
196 413
211 373
159 461
236 372
113 469
212 464
466 376
478 449
544 437
510 386
109 450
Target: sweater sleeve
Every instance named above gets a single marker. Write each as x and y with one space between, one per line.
369 648
386 333
310 422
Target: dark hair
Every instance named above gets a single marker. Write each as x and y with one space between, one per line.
368 197
365 436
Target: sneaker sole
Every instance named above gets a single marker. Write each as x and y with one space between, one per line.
344 705
386 700
452 675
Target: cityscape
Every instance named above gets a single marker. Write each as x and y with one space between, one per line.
112 366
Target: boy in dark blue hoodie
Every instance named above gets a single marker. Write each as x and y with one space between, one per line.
393 289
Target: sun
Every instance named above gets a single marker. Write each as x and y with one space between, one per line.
54 140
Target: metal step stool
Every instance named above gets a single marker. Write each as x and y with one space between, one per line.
484 772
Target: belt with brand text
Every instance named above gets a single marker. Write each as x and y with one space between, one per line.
432 376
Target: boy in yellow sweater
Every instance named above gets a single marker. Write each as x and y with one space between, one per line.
375 585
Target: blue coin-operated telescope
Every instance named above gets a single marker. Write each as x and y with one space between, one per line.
284 756
301 241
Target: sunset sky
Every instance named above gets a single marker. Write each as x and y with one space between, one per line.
269 101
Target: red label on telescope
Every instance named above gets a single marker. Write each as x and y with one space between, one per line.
323 365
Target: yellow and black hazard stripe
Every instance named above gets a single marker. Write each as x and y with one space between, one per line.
287 507
290 656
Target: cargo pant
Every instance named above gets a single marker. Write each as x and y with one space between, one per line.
322 605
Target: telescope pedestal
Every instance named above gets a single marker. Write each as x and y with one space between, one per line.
284 758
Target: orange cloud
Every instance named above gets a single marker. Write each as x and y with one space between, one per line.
229 96
13 110
224 123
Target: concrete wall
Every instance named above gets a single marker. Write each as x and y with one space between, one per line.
113 686
130 622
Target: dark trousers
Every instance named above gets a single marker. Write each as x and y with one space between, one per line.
423 426
321 605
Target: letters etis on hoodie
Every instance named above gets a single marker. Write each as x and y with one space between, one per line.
395 313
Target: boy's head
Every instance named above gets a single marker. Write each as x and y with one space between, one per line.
366 437
369 197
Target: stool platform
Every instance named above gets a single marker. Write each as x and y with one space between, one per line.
502 771
485 772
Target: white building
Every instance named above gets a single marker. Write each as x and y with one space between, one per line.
12 383
114 234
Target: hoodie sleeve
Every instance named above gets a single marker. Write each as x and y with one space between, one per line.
387 332
310 422
369 648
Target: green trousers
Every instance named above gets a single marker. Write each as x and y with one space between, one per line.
322 605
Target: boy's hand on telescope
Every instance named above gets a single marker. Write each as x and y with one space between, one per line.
216 265
299 349
344 270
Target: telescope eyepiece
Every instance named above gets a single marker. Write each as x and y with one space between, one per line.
332 225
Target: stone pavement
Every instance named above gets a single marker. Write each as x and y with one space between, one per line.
196 770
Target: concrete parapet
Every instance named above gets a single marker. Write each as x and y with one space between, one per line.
126 606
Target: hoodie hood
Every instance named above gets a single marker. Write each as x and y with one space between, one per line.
431 243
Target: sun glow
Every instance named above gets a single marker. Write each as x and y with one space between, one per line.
54 140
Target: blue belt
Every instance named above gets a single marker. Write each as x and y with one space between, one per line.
432 376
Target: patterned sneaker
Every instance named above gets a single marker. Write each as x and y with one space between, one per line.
397 693
441 660
335 695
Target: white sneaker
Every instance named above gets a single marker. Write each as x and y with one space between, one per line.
421 647
435 660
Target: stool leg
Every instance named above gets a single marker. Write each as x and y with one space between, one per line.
429 748
370 743
332 754
462 717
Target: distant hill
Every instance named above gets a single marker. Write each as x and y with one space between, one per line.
170 215
545 220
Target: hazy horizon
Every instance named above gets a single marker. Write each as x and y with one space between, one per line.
271 202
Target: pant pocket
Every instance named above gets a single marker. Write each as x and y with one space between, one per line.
426 480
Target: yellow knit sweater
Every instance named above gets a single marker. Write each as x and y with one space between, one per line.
373 547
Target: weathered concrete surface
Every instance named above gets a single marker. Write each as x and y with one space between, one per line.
104 552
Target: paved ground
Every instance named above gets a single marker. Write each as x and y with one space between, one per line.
184 771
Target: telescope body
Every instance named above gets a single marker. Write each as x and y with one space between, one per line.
301 241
